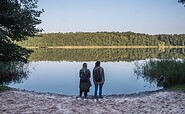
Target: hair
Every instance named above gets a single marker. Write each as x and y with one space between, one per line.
97 63
84 64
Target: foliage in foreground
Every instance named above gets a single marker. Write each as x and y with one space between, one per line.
178 87
18 19
172 70
181 1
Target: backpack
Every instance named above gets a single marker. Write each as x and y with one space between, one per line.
84 77
97 75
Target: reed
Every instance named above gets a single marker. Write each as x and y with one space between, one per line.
172 70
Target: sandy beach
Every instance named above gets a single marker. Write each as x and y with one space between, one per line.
26 102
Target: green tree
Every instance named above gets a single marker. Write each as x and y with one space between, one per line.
18 19
182 1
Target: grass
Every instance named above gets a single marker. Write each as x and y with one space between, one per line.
178 87
4 88
172 70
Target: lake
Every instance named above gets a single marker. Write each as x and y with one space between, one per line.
62 77
57 70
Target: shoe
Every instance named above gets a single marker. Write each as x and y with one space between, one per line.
101 97
95 98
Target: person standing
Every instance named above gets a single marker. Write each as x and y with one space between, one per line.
98 79
85 82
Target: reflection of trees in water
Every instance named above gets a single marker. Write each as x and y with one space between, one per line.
13 72
128 54
93 54
173 53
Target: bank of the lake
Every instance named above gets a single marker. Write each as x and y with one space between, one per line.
4 88
103 47
162 101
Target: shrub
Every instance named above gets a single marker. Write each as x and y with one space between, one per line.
172 70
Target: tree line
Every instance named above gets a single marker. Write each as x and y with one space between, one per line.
18 20
103 39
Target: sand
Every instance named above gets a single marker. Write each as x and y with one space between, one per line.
27 102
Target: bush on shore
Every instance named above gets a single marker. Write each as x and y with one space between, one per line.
171 69
4 88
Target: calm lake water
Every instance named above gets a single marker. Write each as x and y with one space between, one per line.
56 70
62 77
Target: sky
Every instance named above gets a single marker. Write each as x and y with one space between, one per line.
139 16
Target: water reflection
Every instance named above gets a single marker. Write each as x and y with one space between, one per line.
62 77
56 70
13 72
106 55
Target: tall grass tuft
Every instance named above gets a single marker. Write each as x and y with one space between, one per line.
173 71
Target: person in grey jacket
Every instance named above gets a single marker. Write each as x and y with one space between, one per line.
98 79
85 82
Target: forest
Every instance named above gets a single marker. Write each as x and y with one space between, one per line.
103 39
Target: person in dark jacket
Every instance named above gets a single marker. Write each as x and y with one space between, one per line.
98 79
85 82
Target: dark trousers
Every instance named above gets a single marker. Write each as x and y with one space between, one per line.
96 90
85 94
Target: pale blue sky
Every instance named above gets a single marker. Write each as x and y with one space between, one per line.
140 16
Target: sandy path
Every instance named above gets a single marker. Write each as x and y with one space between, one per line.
24 102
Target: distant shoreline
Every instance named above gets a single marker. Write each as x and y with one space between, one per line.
96 47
